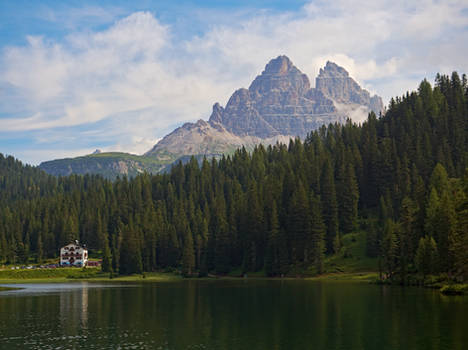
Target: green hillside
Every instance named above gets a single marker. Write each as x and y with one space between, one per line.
109 165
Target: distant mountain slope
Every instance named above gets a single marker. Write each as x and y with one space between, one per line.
109 165
278 105
205 138
195 138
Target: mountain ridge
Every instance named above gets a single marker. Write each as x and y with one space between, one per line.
278 105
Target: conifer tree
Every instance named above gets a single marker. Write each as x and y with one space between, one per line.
220 228
188 256
299 224
272 256
372 241
426 258
106 259
459 238
3 246
317 234
432 223
349 201
408 236
330 207
130 252
39 247
391 249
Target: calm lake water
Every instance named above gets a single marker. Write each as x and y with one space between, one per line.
291 314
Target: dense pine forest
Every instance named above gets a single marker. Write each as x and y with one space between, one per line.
402 178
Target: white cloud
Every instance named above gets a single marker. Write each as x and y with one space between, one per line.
138 80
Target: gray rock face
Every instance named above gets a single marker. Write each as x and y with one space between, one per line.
281 102
242 118
334 81
278 105
195 139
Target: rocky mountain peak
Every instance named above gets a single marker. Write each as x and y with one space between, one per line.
280 75
335 83
279 65
217 114
331 69
279 104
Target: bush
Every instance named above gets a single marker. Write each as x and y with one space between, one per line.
454 289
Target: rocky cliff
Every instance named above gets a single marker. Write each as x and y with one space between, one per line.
278 105
334 81
278 102
196 138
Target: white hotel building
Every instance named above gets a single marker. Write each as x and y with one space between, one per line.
73 254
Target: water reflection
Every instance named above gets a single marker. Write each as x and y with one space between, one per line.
74 309
234 315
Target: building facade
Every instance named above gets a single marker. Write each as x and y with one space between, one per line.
73 254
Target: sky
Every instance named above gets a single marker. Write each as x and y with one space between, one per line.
76 76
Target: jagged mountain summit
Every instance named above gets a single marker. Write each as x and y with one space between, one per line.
334 81
279 104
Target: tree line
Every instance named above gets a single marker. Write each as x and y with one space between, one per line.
280 209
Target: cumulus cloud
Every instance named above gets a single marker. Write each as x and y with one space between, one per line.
134 81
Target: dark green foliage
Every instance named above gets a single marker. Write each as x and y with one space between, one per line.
348 203
316 240
273 251
459 238
278 209
106 260
426 258
299 225
391 249
372 241
330 206
188 256
130 252
408 241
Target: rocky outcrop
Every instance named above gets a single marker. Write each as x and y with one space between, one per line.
200 138
278 105
334 81
277 102
210 139
280 101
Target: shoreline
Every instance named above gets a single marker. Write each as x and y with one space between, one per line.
5 289
71 275
60 276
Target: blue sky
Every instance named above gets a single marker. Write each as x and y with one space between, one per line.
119 75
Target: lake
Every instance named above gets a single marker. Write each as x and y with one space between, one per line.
231 314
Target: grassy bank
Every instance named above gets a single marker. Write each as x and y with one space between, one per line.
146 277
61 275
352 257
46 275
95 274
362 277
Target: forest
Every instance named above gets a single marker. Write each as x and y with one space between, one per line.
402 178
